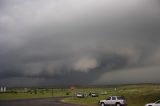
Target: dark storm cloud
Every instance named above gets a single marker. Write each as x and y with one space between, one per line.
78 42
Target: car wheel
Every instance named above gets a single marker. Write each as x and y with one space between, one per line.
102 104
118 104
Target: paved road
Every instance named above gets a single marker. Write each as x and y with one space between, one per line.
55 101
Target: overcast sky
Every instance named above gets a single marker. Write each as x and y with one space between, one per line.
79 42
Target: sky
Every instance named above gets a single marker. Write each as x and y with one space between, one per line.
79 42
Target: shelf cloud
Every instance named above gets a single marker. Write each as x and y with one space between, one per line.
81 42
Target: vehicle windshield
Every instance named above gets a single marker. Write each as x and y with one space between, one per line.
157 102
108 98
120 98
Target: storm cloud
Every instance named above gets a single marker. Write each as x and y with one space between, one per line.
64 42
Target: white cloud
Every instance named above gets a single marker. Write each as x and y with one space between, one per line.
85 64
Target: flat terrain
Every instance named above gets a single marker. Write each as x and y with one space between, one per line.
19 93
136 95
54 101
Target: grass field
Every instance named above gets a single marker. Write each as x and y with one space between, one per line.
34 93
136 95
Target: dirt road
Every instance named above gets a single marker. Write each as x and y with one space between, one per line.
55 101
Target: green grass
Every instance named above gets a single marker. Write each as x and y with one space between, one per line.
10 96
20 94
137 95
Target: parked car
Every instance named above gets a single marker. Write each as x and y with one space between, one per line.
157 103
80 95
114 100
94 95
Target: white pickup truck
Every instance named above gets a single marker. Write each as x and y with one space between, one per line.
113 101
157 103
